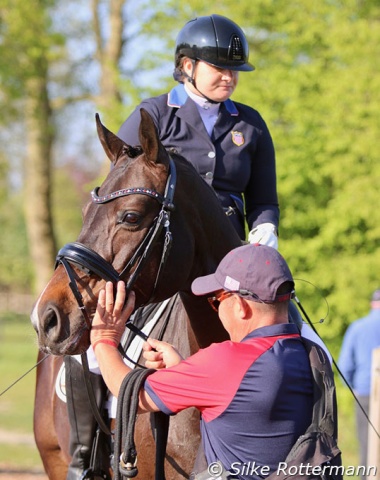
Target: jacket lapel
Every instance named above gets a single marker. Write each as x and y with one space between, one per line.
189 113
225 122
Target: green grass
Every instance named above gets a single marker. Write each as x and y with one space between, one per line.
346 427
18 353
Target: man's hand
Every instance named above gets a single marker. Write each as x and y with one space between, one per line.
111 314
160 354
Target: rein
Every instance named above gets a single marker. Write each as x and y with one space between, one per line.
91 263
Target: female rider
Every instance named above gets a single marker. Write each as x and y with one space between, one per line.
228 143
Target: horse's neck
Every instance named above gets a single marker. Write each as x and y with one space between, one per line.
204 322
211 236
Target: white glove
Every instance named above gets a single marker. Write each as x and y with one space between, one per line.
265 233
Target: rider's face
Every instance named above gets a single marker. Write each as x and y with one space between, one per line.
215 83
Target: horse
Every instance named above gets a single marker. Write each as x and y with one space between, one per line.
156 224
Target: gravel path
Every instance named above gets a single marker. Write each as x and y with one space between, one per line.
16 438
10 472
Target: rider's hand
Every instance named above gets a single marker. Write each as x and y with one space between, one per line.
265 234
160 354
111 315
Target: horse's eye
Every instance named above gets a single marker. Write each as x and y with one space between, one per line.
129 218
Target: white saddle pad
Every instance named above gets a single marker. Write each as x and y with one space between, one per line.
133 352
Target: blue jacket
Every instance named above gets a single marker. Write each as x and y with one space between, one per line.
360 339
238 161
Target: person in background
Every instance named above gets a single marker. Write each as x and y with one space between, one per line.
227 142
266 404
361 338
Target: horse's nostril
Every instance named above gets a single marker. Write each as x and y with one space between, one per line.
51 321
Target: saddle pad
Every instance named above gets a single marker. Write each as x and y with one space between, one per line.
133 352
60 384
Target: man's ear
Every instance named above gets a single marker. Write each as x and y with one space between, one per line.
243 307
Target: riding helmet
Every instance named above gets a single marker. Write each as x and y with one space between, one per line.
216 40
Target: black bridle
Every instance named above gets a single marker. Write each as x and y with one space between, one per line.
87 260
80 256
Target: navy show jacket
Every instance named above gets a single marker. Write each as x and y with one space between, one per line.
238 161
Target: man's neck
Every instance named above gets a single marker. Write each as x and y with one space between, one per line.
237 334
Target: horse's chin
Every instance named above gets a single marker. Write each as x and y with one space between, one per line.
76 344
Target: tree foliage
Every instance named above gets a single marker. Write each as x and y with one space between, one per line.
25 77
317 86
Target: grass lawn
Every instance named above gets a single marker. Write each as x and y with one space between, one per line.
18 354
346 427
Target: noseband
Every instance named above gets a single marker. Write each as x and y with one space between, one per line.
87 260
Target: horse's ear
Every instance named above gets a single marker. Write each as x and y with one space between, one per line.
112 144
150 142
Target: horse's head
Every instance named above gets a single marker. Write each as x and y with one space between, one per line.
122 232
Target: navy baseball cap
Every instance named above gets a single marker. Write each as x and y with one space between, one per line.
253 269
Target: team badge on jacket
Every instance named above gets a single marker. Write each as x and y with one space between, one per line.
237 138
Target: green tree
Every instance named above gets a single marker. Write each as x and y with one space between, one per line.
43 81
317 86
25 59
318 83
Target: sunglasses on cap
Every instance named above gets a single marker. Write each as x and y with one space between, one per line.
218 298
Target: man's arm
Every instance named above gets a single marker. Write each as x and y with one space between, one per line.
346 362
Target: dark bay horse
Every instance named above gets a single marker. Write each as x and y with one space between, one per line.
156 224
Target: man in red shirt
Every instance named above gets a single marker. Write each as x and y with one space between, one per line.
254 392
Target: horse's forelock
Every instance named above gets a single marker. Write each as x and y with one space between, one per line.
132 151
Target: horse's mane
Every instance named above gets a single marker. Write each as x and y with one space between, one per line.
188 170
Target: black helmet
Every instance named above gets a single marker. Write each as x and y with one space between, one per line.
215 40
